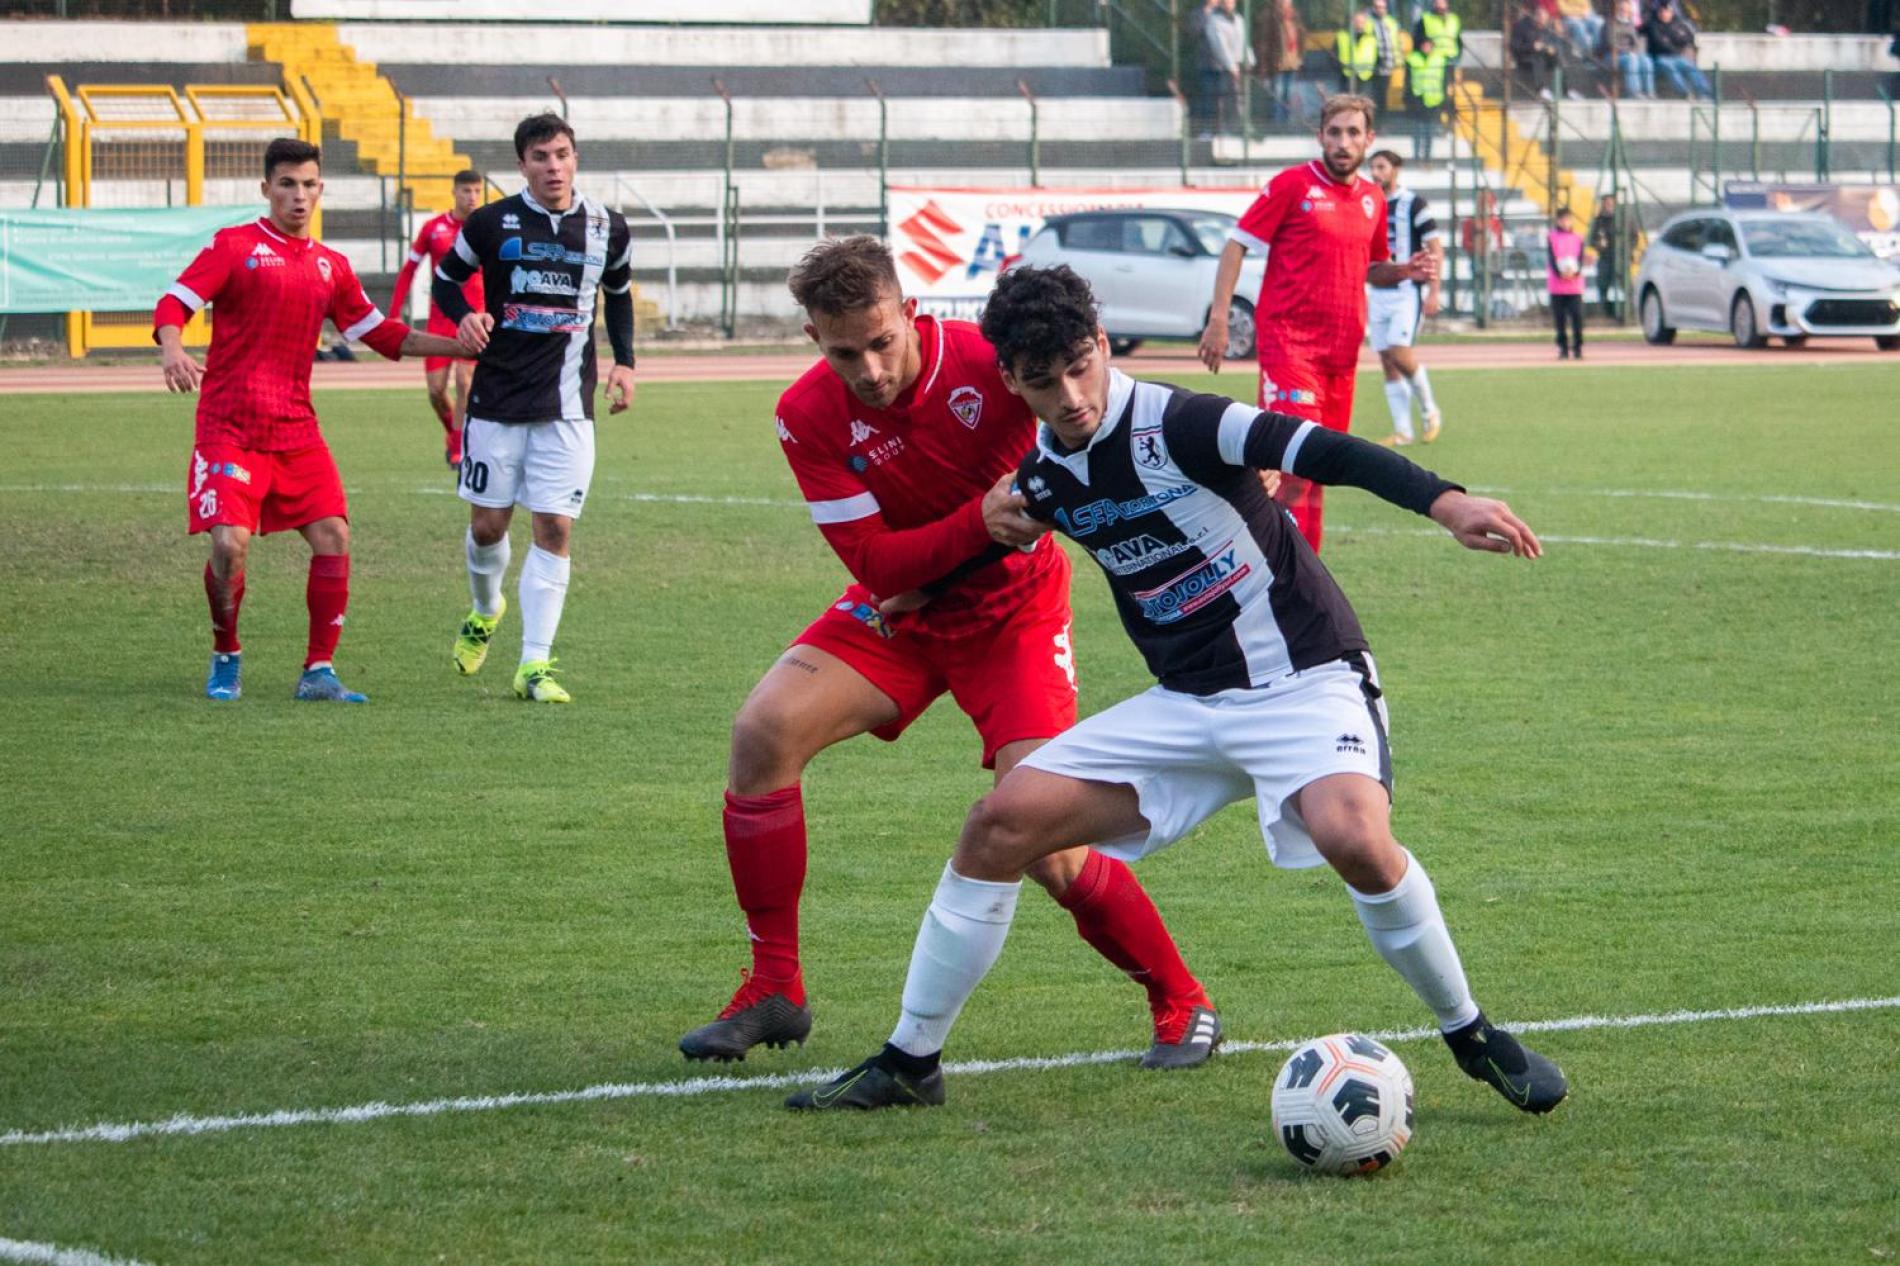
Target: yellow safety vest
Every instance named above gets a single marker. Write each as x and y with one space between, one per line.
1444 33
1359 58
1428 77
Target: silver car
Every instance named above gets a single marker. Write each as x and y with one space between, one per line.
1152 271
1758 274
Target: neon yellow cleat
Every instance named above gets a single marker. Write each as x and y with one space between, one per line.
471 644
534 681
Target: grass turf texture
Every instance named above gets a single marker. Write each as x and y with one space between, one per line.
1644 779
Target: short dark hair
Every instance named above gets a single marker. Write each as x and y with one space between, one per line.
288 150
1037 316
469 176
537 128
844 274
1390 156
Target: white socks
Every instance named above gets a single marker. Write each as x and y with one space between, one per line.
542 590
1408 931
486 563
961 936
1422 391
1398 398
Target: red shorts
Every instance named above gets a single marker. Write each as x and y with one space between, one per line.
439 324
262 492
1303 390
1016 681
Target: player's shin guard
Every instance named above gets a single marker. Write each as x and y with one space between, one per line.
962 933
1405 926
1115 915
486 566
543 591
1398 400
225 597
765 849
327 594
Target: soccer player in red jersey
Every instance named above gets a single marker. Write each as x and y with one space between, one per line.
436 239
259 464
1323 228
903 440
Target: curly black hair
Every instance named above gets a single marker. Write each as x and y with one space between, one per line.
1038 316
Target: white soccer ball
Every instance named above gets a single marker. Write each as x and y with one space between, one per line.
1568 267
1343 1105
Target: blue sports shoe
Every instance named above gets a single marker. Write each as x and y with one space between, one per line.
223 682
319 685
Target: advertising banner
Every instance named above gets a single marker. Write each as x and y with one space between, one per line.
77 260
949 242
1872 211
808 12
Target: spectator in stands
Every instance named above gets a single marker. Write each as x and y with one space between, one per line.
1228 56
1194 42
1444 29
1425 75
1603 241
1358 53
1671 41
1567 254
1625 47
1279 45
1385 32
1536 49
1583 26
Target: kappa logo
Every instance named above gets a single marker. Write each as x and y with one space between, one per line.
265 256
1149 449
784 432
967 404
861 431
1351 743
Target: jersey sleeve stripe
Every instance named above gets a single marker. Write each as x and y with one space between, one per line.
1292 454
1236 420
846 510
1238 234
415 257
463 252
185 295
368 323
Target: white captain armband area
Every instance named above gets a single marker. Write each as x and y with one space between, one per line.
844 510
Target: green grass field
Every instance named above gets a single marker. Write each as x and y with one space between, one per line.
1648 777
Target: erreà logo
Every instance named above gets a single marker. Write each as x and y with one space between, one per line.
929 256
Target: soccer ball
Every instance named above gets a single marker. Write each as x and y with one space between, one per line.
1568 267
1343 1105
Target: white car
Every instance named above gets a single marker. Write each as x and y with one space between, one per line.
1152 271
1758 274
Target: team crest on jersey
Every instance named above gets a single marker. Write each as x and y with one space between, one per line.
1365 203
860 432
1150 451
967 404
323 267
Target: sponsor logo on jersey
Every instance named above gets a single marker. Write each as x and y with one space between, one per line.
541 281
859 463
1133 555
230 470
1088 519
1294 395
514 248
265 256
1194 588
869 616
784 432
1149 449
530 319
967 404
861 431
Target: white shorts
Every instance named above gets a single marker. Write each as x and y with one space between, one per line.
1189 756
545 466
1393 316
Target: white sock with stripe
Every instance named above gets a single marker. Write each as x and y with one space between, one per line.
486 565
1422 390
543 590
1398 398
1405 926
962 933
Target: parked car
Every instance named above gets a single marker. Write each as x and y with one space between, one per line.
1758 274
1152 270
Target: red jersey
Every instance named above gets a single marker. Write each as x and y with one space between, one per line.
1320 235
271 295
436 239
898 492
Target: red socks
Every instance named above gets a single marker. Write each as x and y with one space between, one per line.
444 412
1305 501
327 594
765 847
1115 915
225 597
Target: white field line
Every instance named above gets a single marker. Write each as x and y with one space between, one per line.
186 1124
1648 542
54 1255
1670 494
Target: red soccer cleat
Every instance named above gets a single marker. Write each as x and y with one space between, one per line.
452 446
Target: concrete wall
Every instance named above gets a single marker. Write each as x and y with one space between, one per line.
121 42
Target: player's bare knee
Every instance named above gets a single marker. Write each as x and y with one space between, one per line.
552 532
329 536
1058 870
768 751
1001 840
228 556
487 525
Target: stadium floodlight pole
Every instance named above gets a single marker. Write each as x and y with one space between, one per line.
1181 103
1035 135
883 159
1887 99
1823 158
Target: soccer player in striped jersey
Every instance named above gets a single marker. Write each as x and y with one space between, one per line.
435 240
258 463
1266 686
903 440
1396 312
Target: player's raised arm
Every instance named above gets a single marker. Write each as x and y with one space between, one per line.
358 319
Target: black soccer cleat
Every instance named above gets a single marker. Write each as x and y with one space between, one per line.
774 1020
1488 1054
1193 1040
876 1083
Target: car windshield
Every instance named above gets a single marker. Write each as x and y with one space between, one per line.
1211 228
1803 239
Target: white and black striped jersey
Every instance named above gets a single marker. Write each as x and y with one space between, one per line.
541 272
1408 225
1214 584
